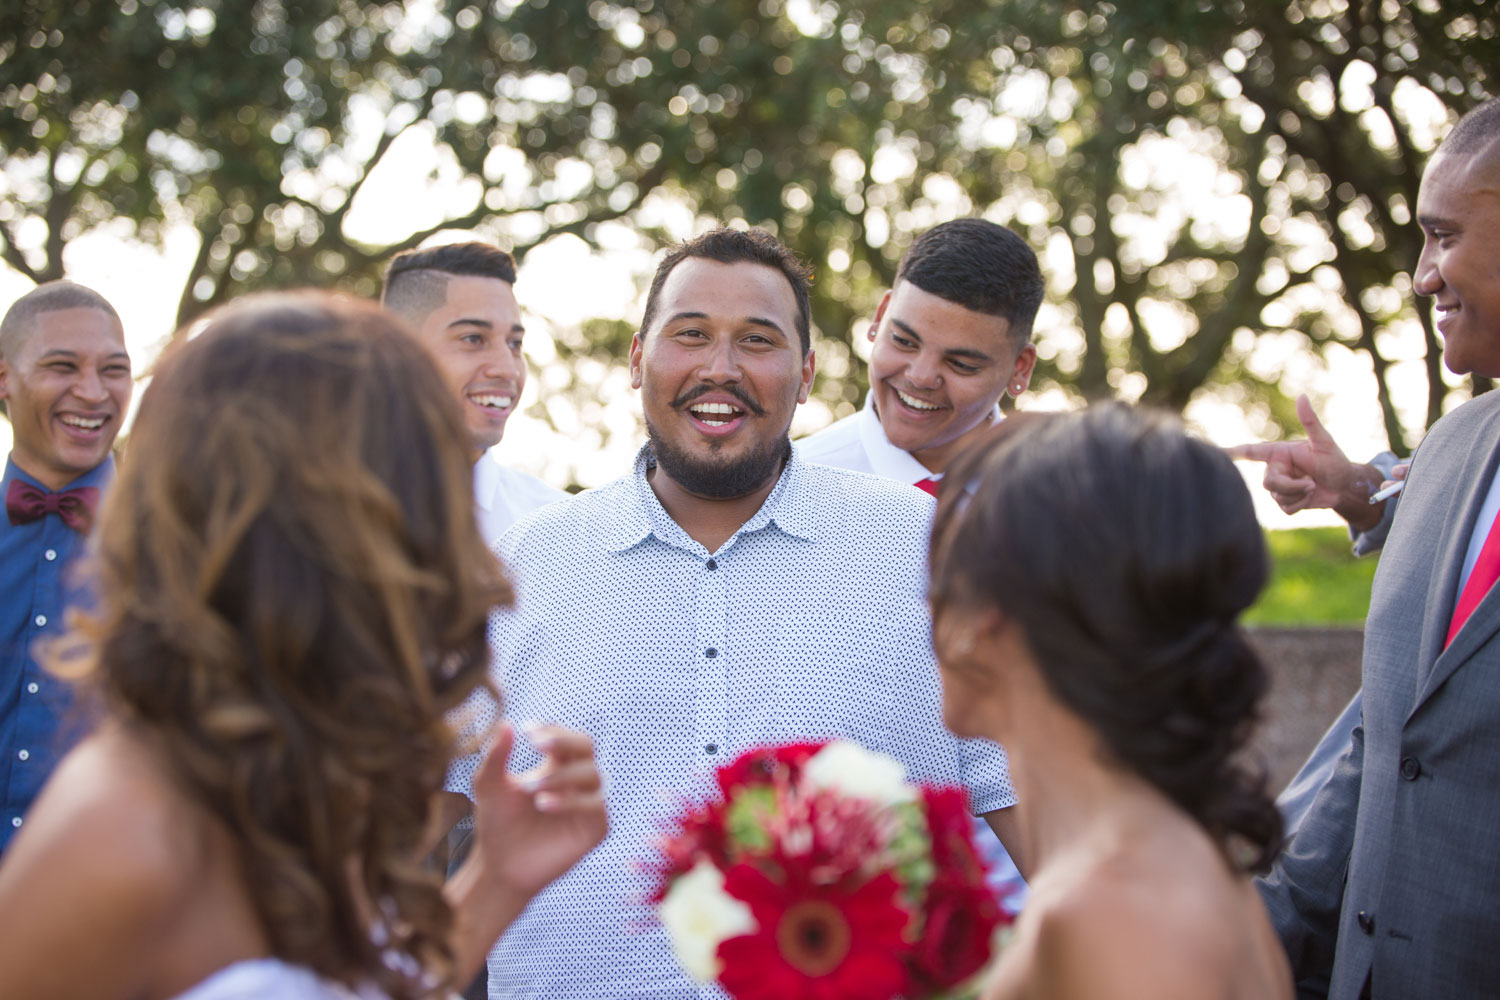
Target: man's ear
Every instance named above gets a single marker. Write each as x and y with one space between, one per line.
635 360
885 300
1020 372
4 384
809 368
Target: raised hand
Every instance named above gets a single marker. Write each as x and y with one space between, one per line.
528 829
1315 472
533 827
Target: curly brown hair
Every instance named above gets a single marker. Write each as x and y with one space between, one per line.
293 594
1127 550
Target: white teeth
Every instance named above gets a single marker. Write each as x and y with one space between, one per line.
84 422
497 402
712 408
716 423
914 403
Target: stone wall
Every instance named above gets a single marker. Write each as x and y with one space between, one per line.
1314 672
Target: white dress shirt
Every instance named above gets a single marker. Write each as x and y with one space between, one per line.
502 496
810 622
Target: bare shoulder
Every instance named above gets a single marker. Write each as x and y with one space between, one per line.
103 863
109 812
1130 931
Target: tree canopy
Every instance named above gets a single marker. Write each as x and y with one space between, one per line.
1197 174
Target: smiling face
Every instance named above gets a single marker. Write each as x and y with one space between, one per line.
938 369
1458 208
66 390
475 338
721 372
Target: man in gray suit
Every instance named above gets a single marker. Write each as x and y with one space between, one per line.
1393 881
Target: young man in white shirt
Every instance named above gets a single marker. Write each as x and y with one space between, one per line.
461 301
951 338
716 598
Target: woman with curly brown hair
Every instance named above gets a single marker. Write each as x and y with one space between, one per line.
293 594
1087 573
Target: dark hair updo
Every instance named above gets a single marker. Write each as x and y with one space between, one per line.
1126 550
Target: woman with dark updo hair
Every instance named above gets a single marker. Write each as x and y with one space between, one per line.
1087 573
293 595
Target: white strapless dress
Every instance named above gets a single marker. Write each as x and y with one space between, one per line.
268 978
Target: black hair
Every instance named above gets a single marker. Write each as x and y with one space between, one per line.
734 246
981 266
1476 130
50 296
1126 550
416 282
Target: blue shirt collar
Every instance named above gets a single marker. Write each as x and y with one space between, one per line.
640 514
100 476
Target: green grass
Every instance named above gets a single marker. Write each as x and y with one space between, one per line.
1314 580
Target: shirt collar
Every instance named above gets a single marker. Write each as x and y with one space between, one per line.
99 476
486 481
888 461
640 514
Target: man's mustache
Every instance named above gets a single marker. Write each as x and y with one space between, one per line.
706 388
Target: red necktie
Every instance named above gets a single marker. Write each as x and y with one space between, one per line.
25 503
928 485
1481 578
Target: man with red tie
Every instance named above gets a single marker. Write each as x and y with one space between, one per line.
1391 885
950 339
65 383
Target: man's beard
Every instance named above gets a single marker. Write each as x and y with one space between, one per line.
723 479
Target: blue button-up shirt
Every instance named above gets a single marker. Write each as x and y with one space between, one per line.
36 588
809 623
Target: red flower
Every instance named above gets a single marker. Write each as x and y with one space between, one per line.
815 942
960 914
758 767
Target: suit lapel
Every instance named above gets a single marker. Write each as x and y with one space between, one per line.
1437 664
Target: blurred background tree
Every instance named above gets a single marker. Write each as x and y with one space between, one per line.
1201 177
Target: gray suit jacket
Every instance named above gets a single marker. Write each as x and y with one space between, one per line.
1395 874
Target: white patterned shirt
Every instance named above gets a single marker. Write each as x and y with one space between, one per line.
810 622
502 496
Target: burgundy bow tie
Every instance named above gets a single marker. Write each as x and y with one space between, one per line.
25 503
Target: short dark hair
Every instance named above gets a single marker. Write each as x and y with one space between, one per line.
735 246
981 266
50 296
416 281
1476 130
1126 550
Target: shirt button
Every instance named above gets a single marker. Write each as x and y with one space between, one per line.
15 821
24 754
40 620
50 555
32 688
712 565
1410 768
1366 922
712 748
710 652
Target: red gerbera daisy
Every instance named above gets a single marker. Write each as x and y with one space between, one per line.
815 942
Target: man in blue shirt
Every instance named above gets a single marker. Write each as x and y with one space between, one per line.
65 384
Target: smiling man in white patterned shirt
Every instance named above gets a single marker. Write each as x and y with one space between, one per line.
724 595
460 300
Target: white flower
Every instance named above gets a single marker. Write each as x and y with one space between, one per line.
849 769
698 914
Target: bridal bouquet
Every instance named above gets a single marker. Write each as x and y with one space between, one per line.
823 874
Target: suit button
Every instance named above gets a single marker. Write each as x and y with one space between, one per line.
1366 922
1410 768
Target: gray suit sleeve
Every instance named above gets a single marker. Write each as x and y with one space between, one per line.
1305 888
1297 799
1367 542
